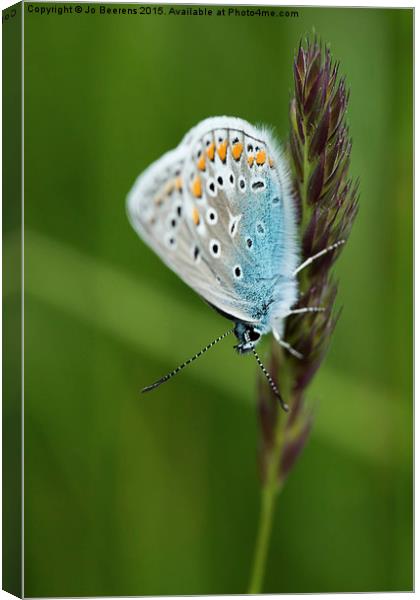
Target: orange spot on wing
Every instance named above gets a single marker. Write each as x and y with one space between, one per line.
222 150
178 184
195 216
210 151
260 158
271 163
196 187
169 187
237 151
202 163
251 160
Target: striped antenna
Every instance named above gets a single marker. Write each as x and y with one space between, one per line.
186 363
270 381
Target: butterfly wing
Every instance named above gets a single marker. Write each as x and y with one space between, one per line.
156 210
218 211
238 199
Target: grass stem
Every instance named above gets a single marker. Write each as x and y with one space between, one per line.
269 493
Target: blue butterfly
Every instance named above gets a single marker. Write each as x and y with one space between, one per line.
219 211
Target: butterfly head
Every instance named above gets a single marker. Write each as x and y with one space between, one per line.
248 336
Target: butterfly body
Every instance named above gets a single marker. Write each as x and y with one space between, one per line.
219 212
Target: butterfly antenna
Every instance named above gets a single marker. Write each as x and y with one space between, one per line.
186 363
270 381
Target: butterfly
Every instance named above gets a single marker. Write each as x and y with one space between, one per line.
219 212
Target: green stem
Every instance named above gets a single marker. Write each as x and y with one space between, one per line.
269 493
272 487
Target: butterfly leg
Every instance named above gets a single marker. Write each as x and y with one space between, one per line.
306 309
290 349
311 259
277 332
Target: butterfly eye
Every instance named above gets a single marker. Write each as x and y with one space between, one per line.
211 216
214 247
254 335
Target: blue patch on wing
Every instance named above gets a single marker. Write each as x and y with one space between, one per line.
261 248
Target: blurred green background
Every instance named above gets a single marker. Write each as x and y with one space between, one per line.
130 495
